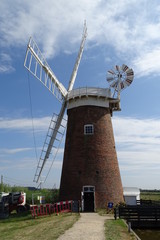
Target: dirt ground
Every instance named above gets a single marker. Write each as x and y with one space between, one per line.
90 226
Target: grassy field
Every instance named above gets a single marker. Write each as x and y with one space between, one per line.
24 227
150 196
117 230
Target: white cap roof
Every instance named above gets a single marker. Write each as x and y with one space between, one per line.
131 191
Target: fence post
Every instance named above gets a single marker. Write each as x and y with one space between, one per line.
129 227
32 211
47 209
56 208
115 213
156 214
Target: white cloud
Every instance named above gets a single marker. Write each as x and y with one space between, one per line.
6 63
137 142
5 57
6 69
24 163
123 26
25 124
136 127
14 150
148 63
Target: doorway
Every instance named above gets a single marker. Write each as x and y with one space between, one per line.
88 199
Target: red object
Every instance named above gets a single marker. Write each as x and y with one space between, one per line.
21 199
48 209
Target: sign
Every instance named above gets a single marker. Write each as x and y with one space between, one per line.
110 205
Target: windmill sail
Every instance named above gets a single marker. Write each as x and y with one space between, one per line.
53 140
38 66
75 69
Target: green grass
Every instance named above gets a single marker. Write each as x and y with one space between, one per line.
101 211
155 196
117 230
25 227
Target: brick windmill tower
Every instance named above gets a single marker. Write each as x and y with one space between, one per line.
90 171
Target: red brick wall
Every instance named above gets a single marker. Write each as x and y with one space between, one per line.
90 159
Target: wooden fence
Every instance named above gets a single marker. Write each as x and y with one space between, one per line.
140 215
148 202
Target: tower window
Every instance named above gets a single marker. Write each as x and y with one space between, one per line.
89 129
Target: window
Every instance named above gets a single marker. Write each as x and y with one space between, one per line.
88 189
88 129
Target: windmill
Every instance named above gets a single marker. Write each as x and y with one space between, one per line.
90 169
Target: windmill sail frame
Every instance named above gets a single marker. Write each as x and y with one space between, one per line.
38 67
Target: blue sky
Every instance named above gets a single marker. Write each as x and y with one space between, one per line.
118 32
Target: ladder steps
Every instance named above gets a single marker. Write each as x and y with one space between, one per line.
60 131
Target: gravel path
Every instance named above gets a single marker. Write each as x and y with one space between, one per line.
90 226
